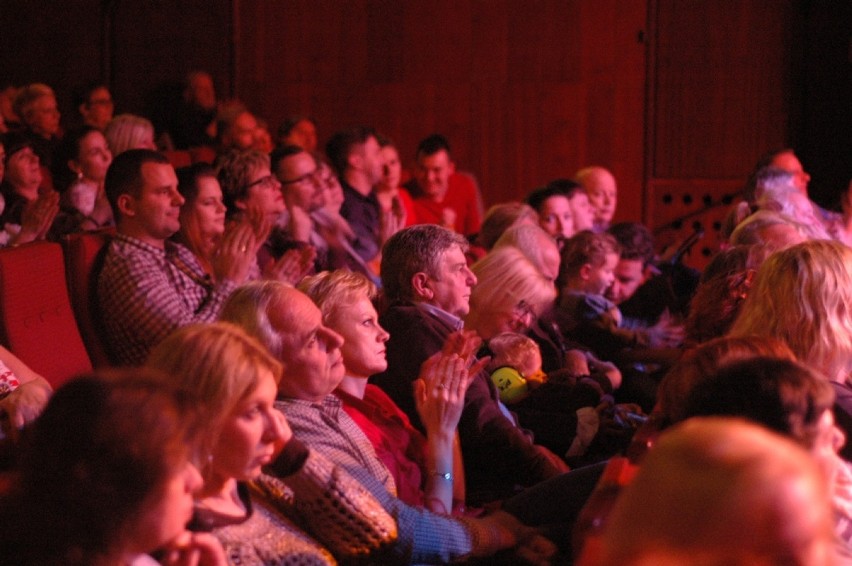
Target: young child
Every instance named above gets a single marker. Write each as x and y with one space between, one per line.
584 314
515 366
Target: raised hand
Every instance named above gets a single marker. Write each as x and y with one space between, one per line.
292 266
236 254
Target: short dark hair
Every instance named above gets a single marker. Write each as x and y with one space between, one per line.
84 93
281 153
635 240
559 187
432 144
412 250
291 122
342 144
780 394
124 175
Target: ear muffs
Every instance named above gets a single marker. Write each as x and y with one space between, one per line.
509 382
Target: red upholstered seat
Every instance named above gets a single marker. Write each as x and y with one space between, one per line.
36 320
82 259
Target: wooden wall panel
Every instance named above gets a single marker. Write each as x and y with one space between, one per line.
512 84
721 93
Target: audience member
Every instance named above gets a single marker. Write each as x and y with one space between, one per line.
427 284
395 204
602 190
300 131
536 245
23 394
149 285
35 104
291 327
554 212
106 478
719 491
195 120
81 164
28 211
581 208
357 157
500 218
95 105
235 128
127 131
254 198
234 380
424 469
768 228
801 295
441 195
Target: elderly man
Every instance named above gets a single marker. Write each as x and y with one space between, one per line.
603 194
428 284
289 324
149 285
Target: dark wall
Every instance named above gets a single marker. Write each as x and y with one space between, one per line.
525 91
677 97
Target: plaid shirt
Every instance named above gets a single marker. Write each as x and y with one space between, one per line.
144 293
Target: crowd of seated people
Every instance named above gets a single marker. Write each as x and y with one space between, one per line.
325 358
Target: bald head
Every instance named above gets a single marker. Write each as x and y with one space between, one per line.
602 190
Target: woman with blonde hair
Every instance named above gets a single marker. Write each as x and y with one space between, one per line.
235 381
423 469
509 295
803 296
128 131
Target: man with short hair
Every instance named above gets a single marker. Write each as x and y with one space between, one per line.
427 283
357 157
149 285
442 196
634 266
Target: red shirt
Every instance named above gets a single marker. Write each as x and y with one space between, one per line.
399 446
461 197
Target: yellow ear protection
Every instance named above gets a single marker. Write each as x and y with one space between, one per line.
510 383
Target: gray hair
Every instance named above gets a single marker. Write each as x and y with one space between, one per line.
413 250
248 307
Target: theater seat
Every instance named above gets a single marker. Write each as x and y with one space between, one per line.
83 258
202 154
36 320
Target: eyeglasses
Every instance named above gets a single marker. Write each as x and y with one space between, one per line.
302 178
267 182
524 310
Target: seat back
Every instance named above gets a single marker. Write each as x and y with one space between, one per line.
36 320
84 252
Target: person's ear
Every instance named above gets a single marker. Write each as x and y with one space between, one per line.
126 205
240 204
421 284
451 167
586 271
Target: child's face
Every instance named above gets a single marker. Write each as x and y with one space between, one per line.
599 278
531 365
